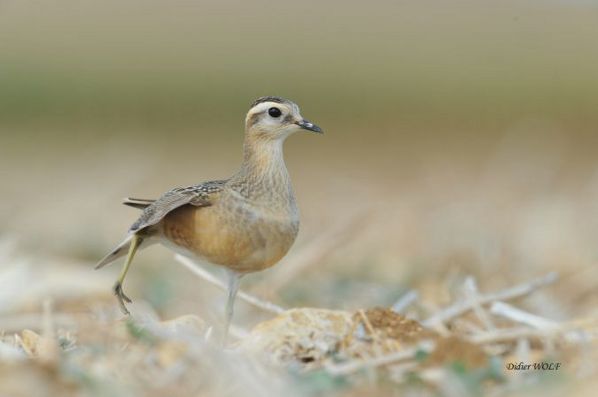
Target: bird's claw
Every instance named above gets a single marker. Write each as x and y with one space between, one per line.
122 298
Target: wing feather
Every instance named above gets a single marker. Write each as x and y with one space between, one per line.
201 195
138 203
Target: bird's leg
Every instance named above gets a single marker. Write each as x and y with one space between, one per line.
234 279
118 286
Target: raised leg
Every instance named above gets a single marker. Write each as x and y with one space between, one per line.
118 286
234 280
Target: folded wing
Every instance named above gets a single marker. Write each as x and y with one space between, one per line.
201 195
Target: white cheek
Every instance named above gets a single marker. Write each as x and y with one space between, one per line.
269 122
290 129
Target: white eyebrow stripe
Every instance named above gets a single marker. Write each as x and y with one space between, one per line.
262 107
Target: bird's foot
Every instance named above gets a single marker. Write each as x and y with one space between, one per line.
122 298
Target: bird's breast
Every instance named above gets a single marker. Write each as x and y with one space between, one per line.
236 234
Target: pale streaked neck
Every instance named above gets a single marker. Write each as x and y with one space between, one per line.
263 173
263 158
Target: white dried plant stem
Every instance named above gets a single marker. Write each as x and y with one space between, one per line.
357 365
521 316
409 298
252 300
460 308
471 292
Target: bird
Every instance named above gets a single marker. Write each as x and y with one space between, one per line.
245 223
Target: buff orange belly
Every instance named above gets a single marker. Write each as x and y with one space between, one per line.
241 239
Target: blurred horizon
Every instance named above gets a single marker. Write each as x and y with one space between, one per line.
153 65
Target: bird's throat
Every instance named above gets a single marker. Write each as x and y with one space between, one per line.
264 169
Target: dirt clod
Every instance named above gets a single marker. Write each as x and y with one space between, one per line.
389 324
453 349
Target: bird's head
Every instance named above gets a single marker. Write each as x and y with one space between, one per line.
274 118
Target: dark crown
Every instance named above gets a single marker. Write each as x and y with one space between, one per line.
263 99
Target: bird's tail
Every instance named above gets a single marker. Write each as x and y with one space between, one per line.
137 202
119 251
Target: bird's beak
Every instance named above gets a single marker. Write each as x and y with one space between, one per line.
308 125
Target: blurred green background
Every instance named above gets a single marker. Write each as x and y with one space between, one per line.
465 130
171 65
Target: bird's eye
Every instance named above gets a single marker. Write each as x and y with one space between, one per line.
274 112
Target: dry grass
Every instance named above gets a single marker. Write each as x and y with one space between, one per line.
59 340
